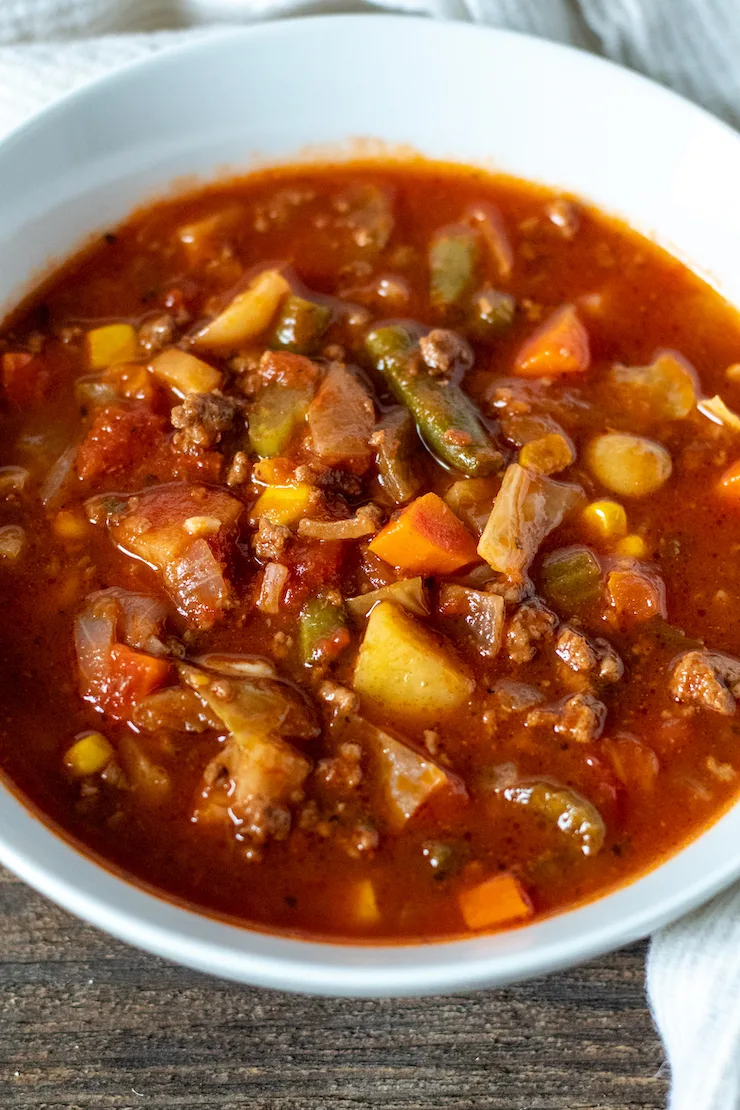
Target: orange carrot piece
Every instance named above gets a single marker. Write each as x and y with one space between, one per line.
427 538
729 484
496 901
559 346
133 675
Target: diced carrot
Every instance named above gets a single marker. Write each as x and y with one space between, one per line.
635 595
427 538
729 484
635 764
497 901
24 378
131 676
559 346
118 437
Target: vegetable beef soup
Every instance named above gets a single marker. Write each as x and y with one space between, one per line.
369 551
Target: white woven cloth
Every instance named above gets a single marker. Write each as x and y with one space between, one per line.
50 46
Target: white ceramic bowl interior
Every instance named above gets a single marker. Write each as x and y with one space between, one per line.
474 95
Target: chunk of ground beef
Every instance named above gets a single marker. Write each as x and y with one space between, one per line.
595 659
239 470
202 419
445 352
707 679
157 332
270 540
330 479
339 698
579 718
343 770
531 625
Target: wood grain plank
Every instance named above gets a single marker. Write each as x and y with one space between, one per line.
87 1023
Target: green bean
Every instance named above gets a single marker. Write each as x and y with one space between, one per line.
447 419
300 325
453 254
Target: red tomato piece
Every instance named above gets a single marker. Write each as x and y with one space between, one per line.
24 377
118 437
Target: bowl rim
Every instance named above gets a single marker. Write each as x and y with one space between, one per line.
150 921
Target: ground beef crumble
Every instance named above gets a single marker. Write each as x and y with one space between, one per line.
202 419
593 659
707 679
445 352
579 718
529 627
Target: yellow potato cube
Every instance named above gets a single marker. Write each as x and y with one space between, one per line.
109 344
247 315
184 372
406 669
284 504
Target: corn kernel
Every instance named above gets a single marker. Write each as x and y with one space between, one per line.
365 903
632 547
605 519
284 504
109 344
88 755
70 526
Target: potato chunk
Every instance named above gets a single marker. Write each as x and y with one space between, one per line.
407 670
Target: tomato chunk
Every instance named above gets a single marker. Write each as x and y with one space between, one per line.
117 439
24 377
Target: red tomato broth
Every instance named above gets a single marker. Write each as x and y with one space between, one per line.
307 882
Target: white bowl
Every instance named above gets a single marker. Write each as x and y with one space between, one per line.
448 90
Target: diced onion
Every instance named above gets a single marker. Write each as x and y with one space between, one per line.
717 411
271 590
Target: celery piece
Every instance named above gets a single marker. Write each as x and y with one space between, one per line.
571 578
453 254
278 411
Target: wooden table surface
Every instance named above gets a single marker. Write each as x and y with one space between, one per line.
86 1022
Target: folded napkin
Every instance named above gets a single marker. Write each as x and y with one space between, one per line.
50 46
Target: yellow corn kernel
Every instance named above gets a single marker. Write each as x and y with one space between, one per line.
88 755
632 547
364 903
70 526
284 504
548 454
606 520
109 344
